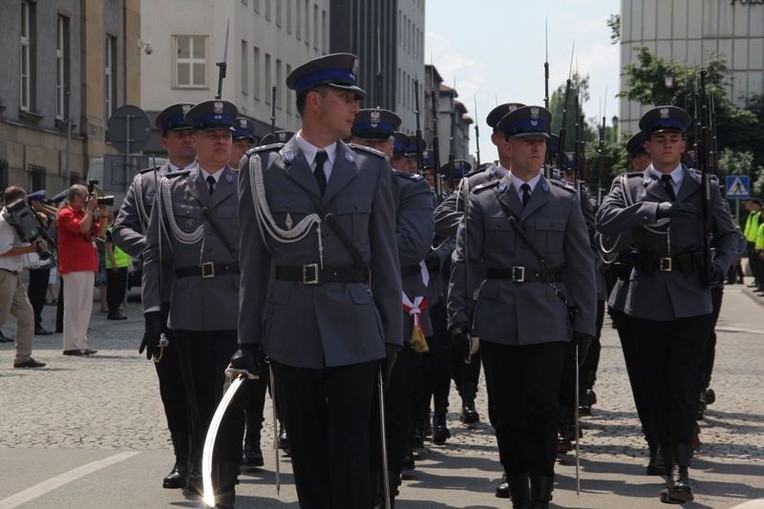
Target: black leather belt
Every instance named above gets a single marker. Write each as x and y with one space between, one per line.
412 270
651 263
312 274
14 272
207 270
520 274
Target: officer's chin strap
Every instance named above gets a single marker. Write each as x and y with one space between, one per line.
265 219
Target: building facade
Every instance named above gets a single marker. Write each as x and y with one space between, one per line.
68 65
687 32
266 40
453 121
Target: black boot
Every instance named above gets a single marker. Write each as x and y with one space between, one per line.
518 487
252 456
283 439
224 482
502 489
440 431
176 479
656 466
541 491
469 414
194 486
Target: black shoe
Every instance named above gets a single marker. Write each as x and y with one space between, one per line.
116 316
39 331
408 462
469 414
176 479
564 445
252 457
678 489
710 396
585 410
88 351
417 438
656 466
283 440
77 352
194 486
440 432
502 490
31 363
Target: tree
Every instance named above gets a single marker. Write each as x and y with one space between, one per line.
579 93
614 24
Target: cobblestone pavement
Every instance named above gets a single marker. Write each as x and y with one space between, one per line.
90 432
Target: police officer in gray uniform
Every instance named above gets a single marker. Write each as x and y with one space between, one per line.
193 232
668 300
130 235
414 229
321 283
524 242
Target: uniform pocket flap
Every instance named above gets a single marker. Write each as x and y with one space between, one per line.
355 205
497 223
291 203
550 224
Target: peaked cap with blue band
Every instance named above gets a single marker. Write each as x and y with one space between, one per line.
243 129
526 122
375 124
412 150
401 143
498 112
664 118
337 70
37 196
276 137
209 115
173 118
636 145
461 168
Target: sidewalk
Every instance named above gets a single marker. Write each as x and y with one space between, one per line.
90 433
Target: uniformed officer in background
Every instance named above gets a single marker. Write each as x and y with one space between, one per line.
447 218
321 284
130 235
413 204
243 140
668 300
193 231
524 242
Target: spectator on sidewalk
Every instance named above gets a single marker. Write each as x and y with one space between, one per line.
39 269
117 263
13 294
78 228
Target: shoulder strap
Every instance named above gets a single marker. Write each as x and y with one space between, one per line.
516 227
332 222
211 219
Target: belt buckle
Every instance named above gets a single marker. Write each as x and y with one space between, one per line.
310 274
518 274
665 264
208 270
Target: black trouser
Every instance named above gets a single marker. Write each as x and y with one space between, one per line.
36 291
636 357
676 351
204 355
591 362
755 263
116 285
170 377
574 352
466 375
254 405
60 306
525 381
717 294
440 359
328 415
399 399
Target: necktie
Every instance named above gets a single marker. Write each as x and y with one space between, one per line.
526 194
667 183
319 171
211 183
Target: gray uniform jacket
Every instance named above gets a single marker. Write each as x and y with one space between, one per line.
523 313
449 213
414 228
189 241
133 221
672 294
331 323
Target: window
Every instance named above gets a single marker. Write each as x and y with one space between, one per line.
27 74
74 178
268 80
279 9
324 32
3 173
256 71
315 27
256 6
279 81
190 61
36 177
289 92
110 75
244 68
268 9
298 19
62 65
307 22
289 16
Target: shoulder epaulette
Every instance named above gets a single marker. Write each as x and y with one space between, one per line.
699 174
263 148
364 148
174 174
476 171
562 185
149 170
633 174
485 185
406 175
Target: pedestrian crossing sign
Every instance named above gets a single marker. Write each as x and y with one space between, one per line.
737 186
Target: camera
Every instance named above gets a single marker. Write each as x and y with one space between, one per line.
95 191
21 216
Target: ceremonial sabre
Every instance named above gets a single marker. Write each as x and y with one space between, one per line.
575 412
212 432
383 436
275 431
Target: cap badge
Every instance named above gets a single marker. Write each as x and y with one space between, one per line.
228 178
354 68
281 136
289 156
374 116
349 157
186 108
242 123
218 107
534 113
664 113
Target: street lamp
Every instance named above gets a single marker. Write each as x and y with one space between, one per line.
668 79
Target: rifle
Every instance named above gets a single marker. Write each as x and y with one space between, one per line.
419 160
546 65
222 66
379 70
435 140
477 133
601 152
273 109
703 156
562 159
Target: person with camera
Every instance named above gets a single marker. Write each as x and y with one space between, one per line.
13 294
79 224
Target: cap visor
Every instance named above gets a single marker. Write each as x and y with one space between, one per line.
530 135
359 92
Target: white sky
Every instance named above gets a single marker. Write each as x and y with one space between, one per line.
494 50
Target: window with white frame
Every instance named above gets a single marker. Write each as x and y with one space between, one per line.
298 19
315 27
289 16
62 65
244 68
288 92
279 80
268 80
110 75
190 61
307 22
26 75
256 71
324 32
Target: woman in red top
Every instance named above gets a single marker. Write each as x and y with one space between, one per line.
78 263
